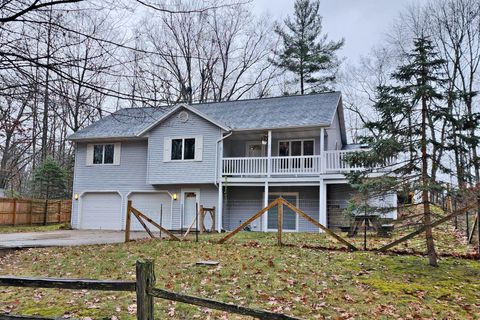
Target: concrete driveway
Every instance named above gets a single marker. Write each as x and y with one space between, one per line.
61 238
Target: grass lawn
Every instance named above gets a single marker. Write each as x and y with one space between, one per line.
50 227
311 284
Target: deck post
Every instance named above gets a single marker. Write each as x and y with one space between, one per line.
219 212
322 214
269 153
265 203
322 151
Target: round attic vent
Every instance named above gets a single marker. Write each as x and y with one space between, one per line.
183 116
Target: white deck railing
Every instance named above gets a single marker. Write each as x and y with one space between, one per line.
252 166
335 161
295 165
332 161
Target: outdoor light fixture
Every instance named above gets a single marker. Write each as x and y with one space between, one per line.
75 196
174 196
265 139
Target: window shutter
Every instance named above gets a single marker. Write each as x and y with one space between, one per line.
89 157
167 149
198 148
117 153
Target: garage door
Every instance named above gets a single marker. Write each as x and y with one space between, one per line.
157 206
101 211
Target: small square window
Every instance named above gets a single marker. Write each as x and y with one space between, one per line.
104 153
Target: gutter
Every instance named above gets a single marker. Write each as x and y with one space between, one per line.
216 156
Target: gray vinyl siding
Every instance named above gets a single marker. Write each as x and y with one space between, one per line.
129 176
178 172
208 198
240 203
334 135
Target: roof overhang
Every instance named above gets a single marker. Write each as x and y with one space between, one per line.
107 139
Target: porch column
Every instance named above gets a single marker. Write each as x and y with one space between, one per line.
219 212
265 203
269 153
322 218
322 149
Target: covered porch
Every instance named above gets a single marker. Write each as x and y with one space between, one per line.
283 153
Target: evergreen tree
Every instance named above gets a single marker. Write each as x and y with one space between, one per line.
408 116
49 180
306 52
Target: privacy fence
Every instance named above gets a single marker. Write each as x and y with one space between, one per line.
16 212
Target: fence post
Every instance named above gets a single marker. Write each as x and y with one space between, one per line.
145 282
14 212
129 219
45 213
59 211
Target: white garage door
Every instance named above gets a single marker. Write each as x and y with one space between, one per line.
155 205
101 211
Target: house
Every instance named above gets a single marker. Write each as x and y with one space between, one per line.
237 156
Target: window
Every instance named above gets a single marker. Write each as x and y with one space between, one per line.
108 153
296 148
103 153
178 149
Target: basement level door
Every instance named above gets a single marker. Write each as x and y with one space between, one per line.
189 208
289 216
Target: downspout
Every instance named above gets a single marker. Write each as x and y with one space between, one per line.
216 156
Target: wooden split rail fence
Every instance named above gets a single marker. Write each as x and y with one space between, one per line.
30 212
144 286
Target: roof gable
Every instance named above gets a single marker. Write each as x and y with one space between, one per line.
177 109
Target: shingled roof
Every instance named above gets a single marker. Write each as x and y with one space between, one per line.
268 113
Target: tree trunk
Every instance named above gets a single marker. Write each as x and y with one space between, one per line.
46 97
427 219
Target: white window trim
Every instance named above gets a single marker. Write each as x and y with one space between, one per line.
290 146
296 194
195 159
116 154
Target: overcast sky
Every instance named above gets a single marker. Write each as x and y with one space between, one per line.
362 23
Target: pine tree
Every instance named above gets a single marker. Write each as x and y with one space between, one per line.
408 114
49 180
306 52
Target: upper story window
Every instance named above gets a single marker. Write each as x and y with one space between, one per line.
105 153
183 148
296 148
